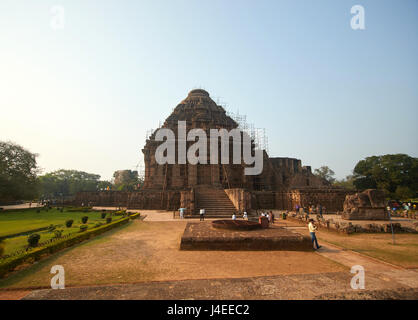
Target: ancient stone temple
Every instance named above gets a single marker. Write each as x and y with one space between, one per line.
219 188
201 112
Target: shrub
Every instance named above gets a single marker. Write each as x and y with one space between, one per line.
83 227
58 233
1 247
103 215
62 210
108 220
84 219
33 239
79 209
69 223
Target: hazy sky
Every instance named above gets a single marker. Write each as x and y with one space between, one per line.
84 96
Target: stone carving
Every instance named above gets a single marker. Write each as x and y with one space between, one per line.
366 205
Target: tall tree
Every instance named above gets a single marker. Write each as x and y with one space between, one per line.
18 170
325 173
126 180
67 182
397 174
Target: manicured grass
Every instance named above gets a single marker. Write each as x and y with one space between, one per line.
379 245
12 222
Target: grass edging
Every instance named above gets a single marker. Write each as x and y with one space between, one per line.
35 254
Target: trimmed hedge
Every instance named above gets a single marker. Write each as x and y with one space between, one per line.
78 209
11 263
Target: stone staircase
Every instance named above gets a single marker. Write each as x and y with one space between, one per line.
215 202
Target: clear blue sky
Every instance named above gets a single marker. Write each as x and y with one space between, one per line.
83 97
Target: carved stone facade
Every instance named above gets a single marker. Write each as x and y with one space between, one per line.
366 205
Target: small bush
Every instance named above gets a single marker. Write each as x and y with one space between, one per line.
120 213
33 239
108 220
84 219
69 223
58 233
83 227
1 247
79 209
103 215
62 210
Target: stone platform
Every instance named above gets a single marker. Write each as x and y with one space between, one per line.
202 236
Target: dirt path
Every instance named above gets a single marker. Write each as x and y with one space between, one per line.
149 251
143 261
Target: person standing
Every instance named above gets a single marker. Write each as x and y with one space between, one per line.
202 214
245 216
234 217
312 230
181 213
320 210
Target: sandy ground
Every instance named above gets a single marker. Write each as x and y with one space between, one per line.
149 251
21 206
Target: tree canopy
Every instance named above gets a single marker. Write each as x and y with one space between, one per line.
396 174
126 180
325 173
18 170
67 182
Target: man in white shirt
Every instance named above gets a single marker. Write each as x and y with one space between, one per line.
202 214
312 229
234 217
181 213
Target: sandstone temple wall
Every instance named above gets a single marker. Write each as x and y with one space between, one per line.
331 198
240 198
153 200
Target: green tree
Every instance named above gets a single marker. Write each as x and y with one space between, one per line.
67 182
126 180
346 183
104 185
18 171
396 174
325 173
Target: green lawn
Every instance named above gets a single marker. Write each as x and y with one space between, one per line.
12 222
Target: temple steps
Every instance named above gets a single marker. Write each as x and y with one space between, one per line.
215 202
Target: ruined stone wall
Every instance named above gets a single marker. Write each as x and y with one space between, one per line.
240 198
331 198
187 201
155 200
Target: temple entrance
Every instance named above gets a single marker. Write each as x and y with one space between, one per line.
204 174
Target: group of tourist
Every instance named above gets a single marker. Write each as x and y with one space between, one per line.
408 209
311 209
269 215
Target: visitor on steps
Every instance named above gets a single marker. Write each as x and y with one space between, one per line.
234 217
202 214
245 216
181 213
312 231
